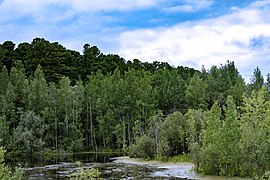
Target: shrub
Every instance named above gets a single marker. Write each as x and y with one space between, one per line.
144 147
5 173
86 174
163 149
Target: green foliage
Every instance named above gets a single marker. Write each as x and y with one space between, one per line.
28 136
265 176
174 131
5 173
18 173
171 89
220 145
255 134
2 165
195 119
211 132
219 154
235 146
68 112
210 145
257 80
180 158
144 147
229 142
3 80
6 54
78 164
222 82
3 128
86 174
195 152
168 136
155 126
196 93
163 149
55 99
37 99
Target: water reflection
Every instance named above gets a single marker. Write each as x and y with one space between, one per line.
115 168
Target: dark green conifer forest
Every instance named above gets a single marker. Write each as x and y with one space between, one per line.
56 99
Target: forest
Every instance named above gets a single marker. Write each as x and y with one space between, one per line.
58 100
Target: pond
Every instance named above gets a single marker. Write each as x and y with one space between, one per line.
113 167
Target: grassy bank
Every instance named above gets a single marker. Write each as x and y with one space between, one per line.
176 159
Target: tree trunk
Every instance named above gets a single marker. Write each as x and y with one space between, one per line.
87 121
124 134
93 137
55 129
129 138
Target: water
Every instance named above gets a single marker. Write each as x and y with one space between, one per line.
113 168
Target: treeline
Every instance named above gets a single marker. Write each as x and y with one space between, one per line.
57 99
57 61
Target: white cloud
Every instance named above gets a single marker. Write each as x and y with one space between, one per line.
183 8
206 42
27 6
56 10
190 6
111 4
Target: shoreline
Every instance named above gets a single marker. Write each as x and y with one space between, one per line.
173 169
129 160
167 169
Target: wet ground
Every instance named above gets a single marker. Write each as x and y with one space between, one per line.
163 169
123 168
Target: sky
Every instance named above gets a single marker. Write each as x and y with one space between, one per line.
192 33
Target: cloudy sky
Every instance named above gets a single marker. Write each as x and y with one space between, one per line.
182 32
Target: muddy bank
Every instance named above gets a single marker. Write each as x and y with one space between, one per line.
163 169
171 170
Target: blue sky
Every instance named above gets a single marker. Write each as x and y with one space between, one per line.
182 32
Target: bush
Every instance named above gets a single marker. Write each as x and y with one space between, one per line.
18 173
195 152
163 149
144 147
5 173
86 174
2 165
265 176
